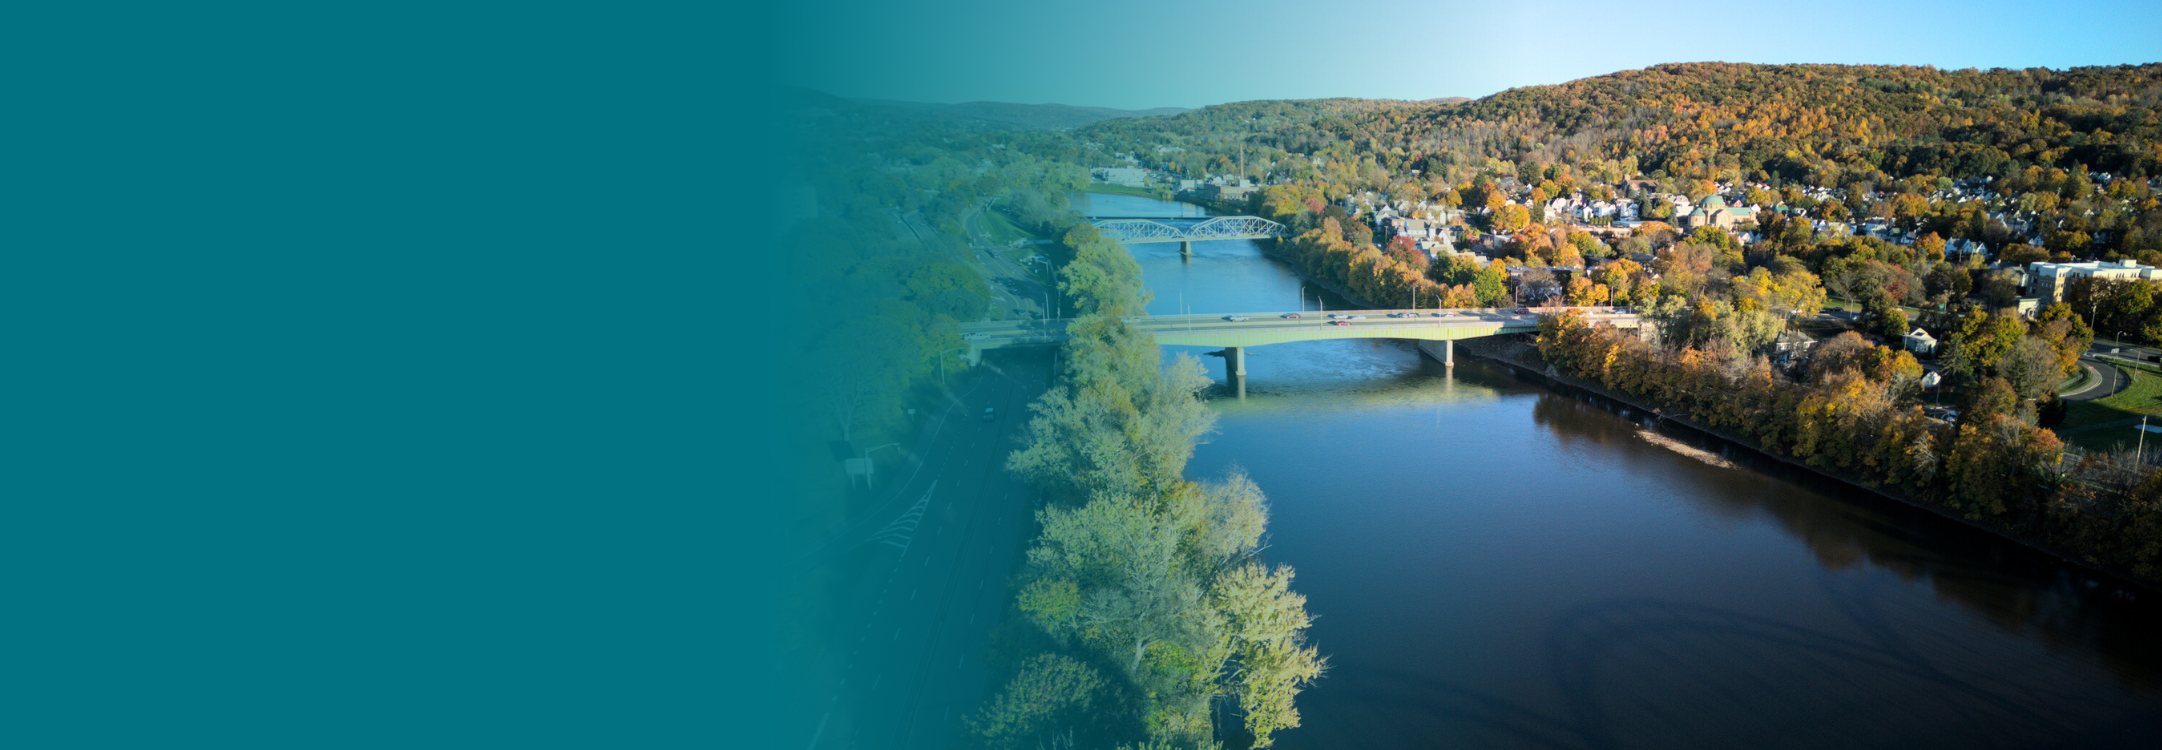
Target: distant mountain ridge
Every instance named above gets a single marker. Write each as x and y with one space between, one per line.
1040 116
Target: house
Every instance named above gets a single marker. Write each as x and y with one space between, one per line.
1962 249
1714 211
1920 342
1227 192
1791 345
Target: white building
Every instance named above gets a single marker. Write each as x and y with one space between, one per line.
2048 280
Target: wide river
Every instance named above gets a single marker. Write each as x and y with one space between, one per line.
1494 564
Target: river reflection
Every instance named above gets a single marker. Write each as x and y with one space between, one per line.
1497 564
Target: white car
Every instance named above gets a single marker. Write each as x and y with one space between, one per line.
1235 318
977 336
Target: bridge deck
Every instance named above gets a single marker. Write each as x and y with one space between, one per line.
1271 328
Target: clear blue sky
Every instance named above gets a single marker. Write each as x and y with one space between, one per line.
1136 54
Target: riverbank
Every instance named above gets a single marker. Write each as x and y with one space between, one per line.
1524 358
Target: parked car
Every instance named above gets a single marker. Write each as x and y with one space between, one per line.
1290 315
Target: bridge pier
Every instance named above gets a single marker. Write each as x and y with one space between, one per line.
1235 368
1186 248
1443 351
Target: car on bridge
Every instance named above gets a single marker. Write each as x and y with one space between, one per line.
976 336
1339 322
1235 318
1288 315
1337 316
1404 315
1355 317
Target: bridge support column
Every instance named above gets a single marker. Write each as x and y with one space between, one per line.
1186 248
1443 351
975 356
1235 368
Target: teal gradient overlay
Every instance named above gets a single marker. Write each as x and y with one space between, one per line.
369 385
1136 54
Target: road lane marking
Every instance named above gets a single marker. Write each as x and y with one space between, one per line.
897 634
822 726
912 594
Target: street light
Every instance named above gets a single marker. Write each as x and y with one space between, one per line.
942 364
868 466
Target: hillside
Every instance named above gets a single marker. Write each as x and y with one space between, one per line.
1802 123
1035 116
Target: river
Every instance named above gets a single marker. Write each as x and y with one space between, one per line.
1495 564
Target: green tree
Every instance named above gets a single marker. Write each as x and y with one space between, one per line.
1268 622
1049 688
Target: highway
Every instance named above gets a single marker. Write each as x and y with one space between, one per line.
905 662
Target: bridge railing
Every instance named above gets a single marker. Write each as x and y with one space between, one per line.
1221 227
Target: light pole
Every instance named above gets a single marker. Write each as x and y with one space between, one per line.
942 365
868 466
2139 456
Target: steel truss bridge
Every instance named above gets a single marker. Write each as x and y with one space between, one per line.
1136 230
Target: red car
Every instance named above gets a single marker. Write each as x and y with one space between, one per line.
1339 322
1523 311
1290 315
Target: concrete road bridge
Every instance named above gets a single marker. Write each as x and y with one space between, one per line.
1436 331
1136 230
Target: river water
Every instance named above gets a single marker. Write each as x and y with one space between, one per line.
1494 564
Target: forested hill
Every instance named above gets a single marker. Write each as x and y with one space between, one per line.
1005 114
1809 123
1239 118
1207 140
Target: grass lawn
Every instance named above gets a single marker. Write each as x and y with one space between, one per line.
1001 229
2074 382
2143 398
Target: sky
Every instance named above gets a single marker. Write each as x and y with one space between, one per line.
1139 54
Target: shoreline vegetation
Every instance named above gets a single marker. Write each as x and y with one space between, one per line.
1536 367
1995 472
2074 516
1144 613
